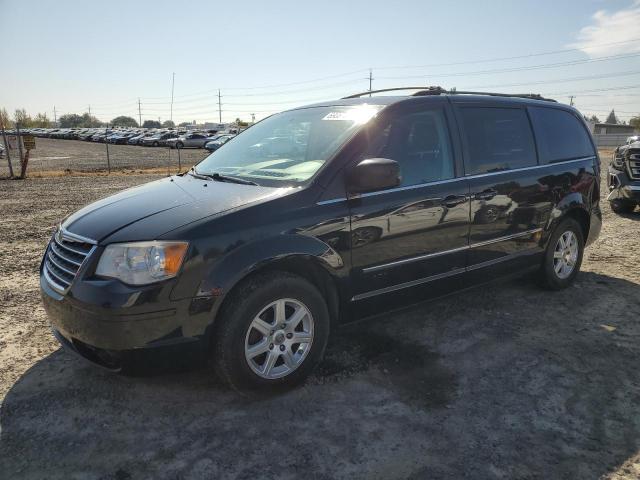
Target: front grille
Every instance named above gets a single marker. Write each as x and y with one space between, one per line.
634 166
65 255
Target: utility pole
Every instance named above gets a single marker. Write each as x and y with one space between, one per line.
219 107
370 80
173 80
253 118
89 110
139 112
55 117
571 100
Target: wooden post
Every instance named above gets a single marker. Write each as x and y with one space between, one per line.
23 167
25 162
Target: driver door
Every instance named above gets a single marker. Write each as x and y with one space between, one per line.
411 241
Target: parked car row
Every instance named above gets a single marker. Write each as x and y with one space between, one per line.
173 138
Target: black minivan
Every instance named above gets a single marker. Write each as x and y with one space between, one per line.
321 215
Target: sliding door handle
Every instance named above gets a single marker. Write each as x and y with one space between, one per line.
454 200
487 194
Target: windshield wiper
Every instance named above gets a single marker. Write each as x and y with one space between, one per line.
222 178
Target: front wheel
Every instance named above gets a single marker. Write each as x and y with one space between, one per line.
272 332
620 206
563 256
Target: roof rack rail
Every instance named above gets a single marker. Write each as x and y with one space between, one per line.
436 90
368 92
533 96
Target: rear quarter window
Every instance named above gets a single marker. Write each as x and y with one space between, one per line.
559 135
497 139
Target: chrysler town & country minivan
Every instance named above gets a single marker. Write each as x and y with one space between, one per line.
321 215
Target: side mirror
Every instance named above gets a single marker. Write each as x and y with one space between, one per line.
373 174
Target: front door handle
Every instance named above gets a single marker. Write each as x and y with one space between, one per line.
453 200
487 194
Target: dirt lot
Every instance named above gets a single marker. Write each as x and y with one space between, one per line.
65 156
502 382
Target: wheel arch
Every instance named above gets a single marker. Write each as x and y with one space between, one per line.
581 216
306 257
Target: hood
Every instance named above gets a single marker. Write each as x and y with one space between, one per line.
163 205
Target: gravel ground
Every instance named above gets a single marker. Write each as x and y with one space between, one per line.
63 156
506 381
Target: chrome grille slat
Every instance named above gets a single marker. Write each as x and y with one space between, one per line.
52 271
52 260
633 165
66 247
55 248
51 281
64 257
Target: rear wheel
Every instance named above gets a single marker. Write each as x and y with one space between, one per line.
272 332
563 256
179 145
620 206
155 144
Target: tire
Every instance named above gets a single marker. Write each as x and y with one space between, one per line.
179 145
558 273
488 214
365 235
155 144
620 206
257 300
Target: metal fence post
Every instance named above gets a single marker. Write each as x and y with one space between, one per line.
106 134
179 163
6 149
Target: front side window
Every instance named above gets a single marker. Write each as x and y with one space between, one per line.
420 143
497 139
560 135
289 147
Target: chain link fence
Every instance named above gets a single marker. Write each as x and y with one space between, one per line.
53 157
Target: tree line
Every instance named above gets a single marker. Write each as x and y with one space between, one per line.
73 120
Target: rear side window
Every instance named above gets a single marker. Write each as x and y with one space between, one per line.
497 139
560 135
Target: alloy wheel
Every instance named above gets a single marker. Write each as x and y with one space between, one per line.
565 255
279 338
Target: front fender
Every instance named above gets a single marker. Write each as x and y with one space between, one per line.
233 267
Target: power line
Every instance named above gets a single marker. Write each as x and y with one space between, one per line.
354 72
519 69
499 59
560 80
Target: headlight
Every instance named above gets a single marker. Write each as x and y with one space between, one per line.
141 263
618 160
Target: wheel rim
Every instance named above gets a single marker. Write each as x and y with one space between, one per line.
279 338
362 236
565 255
491 215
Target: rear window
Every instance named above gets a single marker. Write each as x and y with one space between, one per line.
497 139
560 135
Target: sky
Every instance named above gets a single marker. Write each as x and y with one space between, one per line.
269 56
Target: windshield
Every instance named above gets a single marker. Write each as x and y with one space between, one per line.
289 147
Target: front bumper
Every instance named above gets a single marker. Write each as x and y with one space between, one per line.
621 187
108 323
